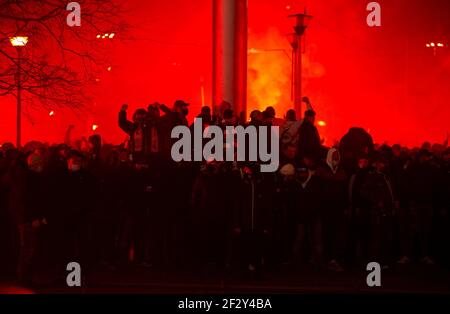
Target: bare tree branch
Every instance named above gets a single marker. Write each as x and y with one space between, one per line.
60 63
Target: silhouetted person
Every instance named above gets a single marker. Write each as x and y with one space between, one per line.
206 116
421 177
252 219
307 216
308 139
229 118
211 213
138 131
355 143
172 118
289 130
335 202
79 196
376 190
270 117
28 203
255 118
153 120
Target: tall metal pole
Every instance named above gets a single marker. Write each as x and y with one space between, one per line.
19 101
302 21
230 54
298 76
241 55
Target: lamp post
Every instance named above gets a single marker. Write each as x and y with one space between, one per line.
19 42
301 23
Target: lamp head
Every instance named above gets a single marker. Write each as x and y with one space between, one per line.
301 22
19 41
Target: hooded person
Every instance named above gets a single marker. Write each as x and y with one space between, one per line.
335 203
356 142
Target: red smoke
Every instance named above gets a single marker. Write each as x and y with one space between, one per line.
383 79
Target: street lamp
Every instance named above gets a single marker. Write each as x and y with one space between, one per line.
19 42
436 46
301 24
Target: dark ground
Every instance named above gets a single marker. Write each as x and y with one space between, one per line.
398 279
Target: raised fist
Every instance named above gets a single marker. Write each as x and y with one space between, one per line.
124 107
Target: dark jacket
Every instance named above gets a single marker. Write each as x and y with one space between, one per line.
79 194
357 142
308 201
167 122
421 182
255 203
28 196
309 141
148 136
335 187
213 197
356 199
376 190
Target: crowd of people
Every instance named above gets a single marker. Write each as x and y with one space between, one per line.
111 206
